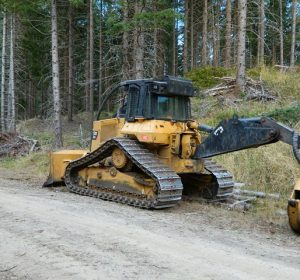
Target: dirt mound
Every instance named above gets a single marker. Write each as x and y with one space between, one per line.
12 144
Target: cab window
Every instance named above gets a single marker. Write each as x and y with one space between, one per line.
171 107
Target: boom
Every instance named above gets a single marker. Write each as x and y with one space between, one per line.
243 133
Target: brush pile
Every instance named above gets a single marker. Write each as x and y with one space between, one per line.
12 144
254 90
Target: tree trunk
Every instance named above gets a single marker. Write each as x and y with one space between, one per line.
3 73
294 18
71 64
159 61
186 32
158 65
241 48
139 44
87 62
216 33
100 55
91 59
64 65
234 27
273 53
192 30
55 77
28 97
125 44
281 32
217 21
174 53
261 33
204 34
12 102
227 62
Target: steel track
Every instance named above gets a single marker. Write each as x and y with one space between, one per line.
169 186
223 177
168 183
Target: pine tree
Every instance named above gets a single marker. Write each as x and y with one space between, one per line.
228 35
55 78
204 34
241 47
71 63
293 35
281 32
11 96
139 42
91 62
3 73
261 33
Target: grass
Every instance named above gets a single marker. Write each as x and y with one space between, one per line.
271 168
76 135
289 115
211 111
35 165
285 84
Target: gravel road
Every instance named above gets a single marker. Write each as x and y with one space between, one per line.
52 234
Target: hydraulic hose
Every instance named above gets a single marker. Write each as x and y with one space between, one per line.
206 128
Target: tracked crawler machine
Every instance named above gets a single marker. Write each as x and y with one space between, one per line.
150 151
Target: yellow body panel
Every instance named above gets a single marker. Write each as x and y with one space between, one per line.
167 139
173 142
105 130
153 131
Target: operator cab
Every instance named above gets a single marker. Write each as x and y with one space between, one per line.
168 99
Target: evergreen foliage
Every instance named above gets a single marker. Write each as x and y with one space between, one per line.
206 77
168 46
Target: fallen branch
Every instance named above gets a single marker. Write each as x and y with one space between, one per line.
12 144
254 89
259 96
286 68
217 90
275 196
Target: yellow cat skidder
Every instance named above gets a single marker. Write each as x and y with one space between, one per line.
149 152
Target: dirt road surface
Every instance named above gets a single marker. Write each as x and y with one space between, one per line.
51 234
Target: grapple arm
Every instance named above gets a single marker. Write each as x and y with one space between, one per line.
237 134
243 133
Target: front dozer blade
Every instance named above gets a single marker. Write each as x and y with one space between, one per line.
58 163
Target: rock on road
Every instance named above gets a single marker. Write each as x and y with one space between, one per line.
48 234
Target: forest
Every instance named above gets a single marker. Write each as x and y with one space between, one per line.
58 57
